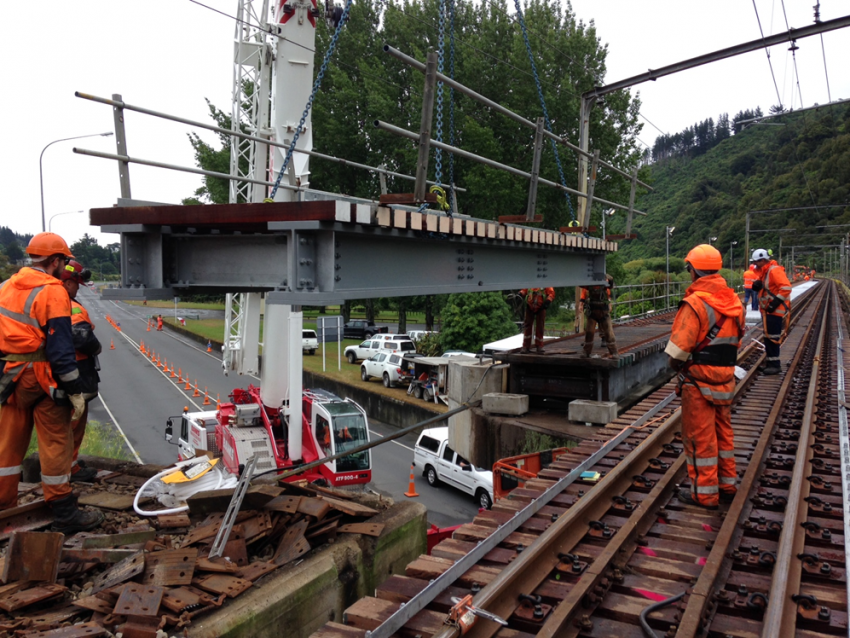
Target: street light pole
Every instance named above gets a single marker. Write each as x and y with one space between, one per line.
732 260
41 169
668 230
67 212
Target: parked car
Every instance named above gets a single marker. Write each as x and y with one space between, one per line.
362 329
416 335
388 366
439 463
309 341
373 346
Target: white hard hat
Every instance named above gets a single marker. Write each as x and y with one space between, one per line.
760 253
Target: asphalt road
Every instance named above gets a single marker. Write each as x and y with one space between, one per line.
138 398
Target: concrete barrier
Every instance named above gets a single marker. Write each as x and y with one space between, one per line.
296 600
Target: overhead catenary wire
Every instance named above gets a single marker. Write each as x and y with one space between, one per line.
767 51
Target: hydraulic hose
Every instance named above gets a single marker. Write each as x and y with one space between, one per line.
655 607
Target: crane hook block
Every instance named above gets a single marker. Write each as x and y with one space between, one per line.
442 199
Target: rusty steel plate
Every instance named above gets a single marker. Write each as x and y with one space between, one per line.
85 630
180 598
105 541
218 565
118 573
370 529
170 567
170 521
33 556
257 569
223 584
27 597
94 604
25 518
139 600
287 504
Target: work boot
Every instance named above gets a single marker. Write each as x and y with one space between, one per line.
524 350
84 474
69 519
772 370
539 350
687 498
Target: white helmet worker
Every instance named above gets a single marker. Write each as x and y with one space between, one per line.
760 253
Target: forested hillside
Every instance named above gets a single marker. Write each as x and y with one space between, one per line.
797 160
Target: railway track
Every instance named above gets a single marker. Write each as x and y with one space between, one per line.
566 557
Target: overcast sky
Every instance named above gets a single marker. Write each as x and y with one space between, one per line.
169 55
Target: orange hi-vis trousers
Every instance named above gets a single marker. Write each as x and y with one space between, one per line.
709 446
28 406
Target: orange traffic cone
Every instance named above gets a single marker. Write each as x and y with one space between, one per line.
188 385
142 347
206 398
411 490
158 362
174 374
196 393
217 402
179 374
209 346
149 325
111 344
165 368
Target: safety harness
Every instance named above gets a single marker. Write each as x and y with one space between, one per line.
786 319
705 354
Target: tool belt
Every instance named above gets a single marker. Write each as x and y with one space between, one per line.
27 357
721 356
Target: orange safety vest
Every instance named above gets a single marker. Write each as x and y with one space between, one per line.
749 277
710 303
535 297
776 286
28 300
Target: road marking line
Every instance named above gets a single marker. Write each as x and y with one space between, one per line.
168 333
115 423
381 436
167 378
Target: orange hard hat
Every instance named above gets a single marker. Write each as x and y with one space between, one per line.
705 257
47 244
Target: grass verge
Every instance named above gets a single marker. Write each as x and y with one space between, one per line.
101 439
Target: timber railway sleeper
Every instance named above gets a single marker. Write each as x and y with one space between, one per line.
590 558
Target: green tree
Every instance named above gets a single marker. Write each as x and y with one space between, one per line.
14 252
472 319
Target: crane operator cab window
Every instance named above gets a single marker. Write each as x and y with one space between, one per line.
348 431
323 434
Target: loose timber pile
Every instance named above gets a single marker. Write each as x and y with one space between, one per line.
138 576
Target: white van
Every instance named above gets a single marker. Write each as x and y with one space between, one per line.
439 463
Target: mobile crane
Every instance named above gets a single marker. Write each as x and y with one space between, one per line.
278 421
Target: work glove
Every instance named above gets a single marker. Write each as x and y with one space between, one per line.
757 285
79 404
546 304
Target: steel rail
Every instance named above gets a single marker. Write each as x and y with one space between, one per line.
457 86
396 130
416 604
692 619
244 136
780 618
843 434
562 616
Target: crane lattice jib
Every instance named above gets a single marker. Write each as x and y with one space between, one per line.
543 105
318 83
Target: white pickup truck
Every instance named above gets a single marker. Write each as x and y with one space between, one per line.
439 463
371 347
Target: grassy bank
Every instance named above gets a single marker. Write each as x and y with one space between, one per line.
101 439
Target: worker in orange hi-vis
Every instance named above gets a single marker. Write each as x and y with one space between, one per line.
703 349
40 386
596 305
87 347
750 295
536 301
159 323
774 291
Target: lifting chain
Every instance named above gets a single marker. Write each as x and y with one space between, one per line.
451 191
318 82
543 105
